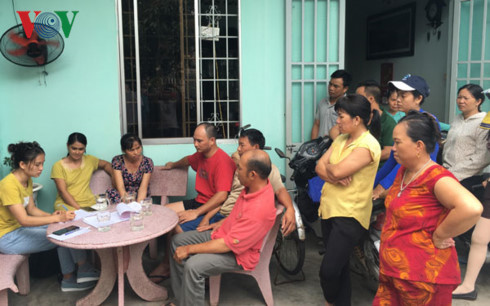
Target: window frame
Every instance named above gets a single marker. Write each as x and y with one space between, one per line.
199 80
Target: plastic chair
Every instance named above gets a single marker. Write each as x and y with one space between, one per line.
260 273
14 265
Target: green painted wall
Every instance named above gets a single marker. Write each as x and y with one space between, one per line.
82 92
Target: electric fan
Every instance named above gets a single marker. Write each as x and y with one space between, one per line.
43 47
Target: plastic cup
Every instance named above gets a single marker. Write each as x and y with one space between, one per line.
136 221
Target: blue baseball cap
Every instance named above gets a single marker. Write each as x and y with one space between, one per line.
411 83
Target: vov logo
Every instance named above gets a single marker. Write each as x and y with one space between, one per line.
47 24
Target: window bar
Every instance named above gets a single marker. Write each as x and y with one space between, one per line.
289 68
315 33
303 63
227 73
138 82
470 39
341 29
484 32
239 62
122 79
183 53
197 37
215 93
327 58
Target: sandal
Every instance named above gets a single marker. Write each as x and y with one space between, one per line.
158 278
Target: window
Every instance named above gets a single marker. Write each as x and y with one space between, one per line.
170 85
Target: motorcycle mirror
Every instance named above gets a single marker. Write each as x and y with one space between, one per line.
267 148
280 153
241 129
486 92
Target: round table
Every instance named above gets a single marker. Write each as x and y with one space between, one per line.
127 247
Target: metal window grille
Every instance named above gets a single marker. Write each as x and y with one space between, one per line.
470 61
168 85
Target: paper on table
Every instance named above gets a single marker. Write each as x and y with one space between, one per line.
69 235
115 218
80 214
125 209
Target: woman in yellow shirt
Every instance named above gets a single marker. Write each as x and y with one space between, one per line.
72 175
348 169
23 225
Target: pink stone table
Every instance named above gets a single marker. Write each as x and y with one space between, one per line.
126 247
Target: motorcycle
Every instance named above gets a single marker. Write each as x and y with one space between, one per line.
365 259
290 251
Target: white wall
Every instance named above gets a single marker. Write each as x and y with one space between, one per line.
429 59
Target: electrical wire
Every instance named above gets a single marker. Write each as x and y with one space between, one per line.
42 77
13 9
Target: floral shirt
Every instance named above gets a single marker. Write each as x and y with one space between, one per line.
132 181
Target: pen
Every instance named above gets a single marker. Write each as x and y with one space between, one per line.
64 207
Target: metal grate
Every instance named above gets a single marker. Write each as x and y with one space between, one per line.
471 48
173 76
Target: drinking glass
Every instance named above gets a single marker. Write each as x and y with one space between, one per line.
104 216
101 201
129 197
146 206
136 221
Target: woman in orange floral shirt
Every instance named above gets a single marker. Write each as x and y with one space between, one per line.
425 207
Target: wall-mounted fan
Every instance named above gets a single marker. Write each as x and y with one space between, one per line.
43 47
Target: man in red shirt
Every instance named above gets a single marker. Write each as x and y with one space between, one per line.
236 243
214 176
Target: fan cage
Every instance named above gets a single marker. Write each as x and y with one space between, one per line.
52 47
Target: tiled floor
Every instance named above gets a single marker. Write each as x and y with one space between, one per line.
240 289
